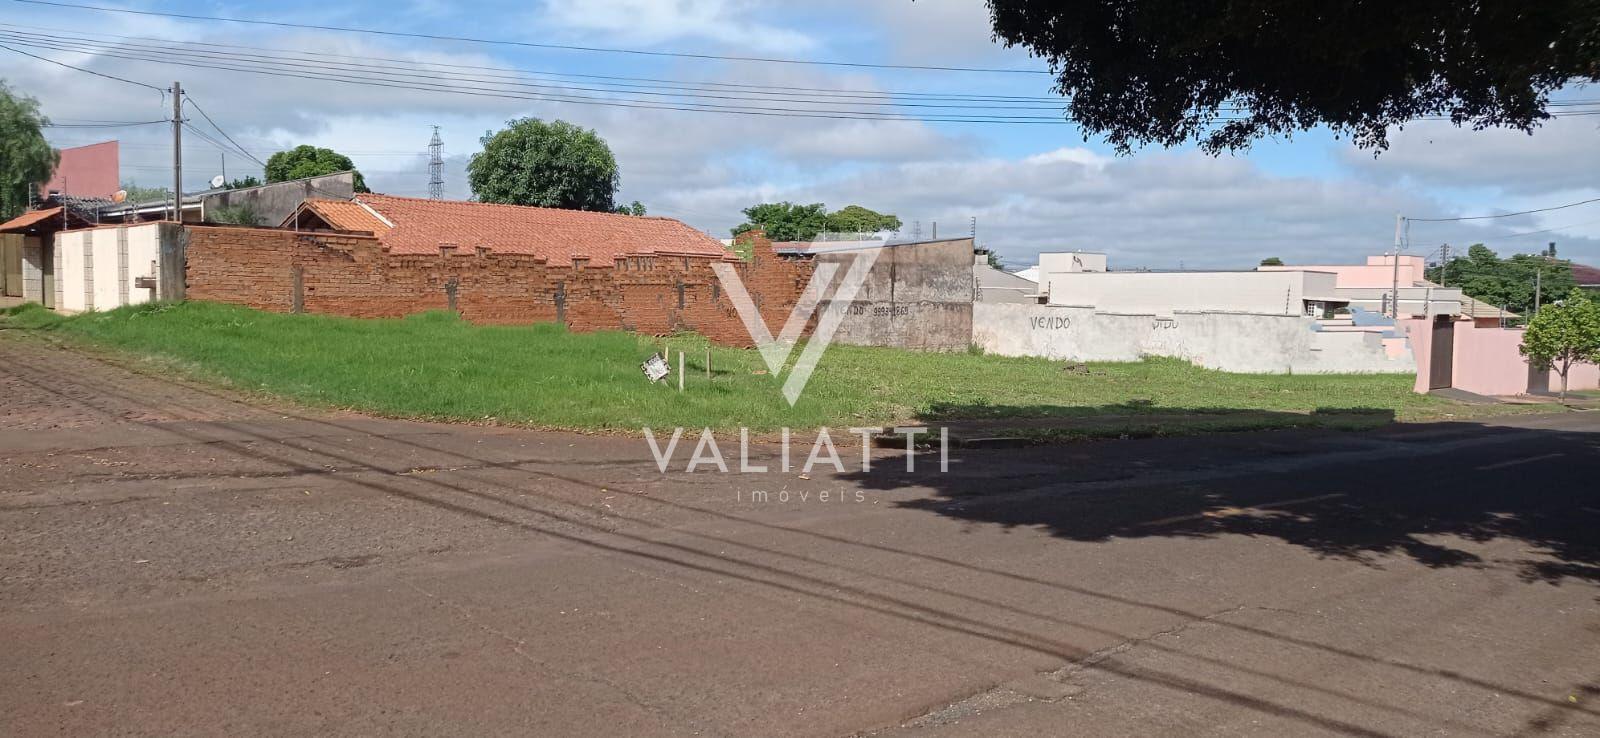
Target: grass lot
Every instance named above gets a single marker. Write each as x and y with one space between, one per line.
435 366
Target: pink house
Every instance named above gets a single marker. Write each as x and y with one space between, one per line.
1378 272
1483 360
87 171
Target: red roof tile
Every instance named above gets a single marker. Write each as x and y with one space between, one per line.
29 219
422 226
345 216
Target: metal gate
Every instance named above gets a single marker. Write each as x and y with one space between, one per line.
1440 371
10 265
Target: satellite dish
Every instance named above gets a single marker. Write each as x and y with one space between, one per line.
119 196
217 182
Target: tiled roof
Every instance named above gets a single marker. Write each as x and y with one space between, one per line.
422 226
347 216
28 220
1585 275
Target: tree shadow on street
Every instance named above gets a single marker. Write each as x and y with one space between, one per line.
1425 491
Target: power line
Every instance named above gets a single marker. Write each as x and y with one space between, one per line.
1505 215
656 82
530 44
431 83
203 114
584 100
128 124
89 45
1548 230
81 69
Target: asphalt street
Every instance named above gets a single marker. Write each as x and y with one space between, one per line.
176 560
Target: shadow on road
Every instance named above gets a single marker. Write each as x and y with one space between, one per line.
1399 489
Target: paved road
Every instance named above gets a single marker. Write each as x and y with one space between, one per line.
174 561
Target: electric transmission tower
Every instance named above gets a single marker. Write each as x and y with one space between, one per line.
436 167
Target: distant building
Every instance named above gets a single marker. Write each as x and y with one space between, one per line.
994 285
92 171
1587 277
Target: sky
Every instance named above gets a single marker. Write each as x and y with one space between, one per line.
1031 187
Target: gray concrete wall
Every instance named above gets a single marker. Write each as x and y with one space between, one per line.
274 202
32 269
1232 342
917 296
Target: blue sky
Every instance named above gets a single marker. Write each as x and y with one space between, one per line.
1032 187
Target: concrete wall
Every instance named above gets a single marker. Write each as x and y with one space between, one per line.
1233 342
1488 361
33 268
274 202
917 296
1163 293
11 264
97 267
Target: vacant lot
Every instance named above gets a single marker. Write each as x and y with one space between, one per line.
436 366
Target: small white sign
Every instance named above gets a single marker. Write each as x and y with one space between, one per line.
655 368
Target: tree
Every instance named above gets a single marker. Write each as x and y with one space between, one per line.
141 194
552 165
857 219
785 221
243 215
26 159
633 208
1223 72
1507 283
311 161
1564 334
1272 261
241 183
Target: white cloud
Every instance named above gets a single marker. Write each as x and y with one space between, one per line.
653 22
1563 154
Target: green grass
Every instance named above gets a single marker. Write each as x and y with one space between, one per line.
434 365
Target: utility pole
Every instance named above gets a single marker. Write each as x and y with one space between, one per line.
436 167
1538 288
1444 264
177 152
1394 290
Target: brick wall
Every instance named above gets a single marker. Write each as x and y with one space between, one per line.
338 274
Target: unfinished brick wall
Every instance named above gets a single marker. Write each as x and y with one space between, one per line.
285 271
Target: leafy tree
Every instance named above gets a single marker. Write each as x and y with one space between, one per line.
1564 334
993 260
1272 261
1224 72
633 208
243 215
140 194
311 161
26 159
1506 282
553 165
239 184
857 219
785 221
